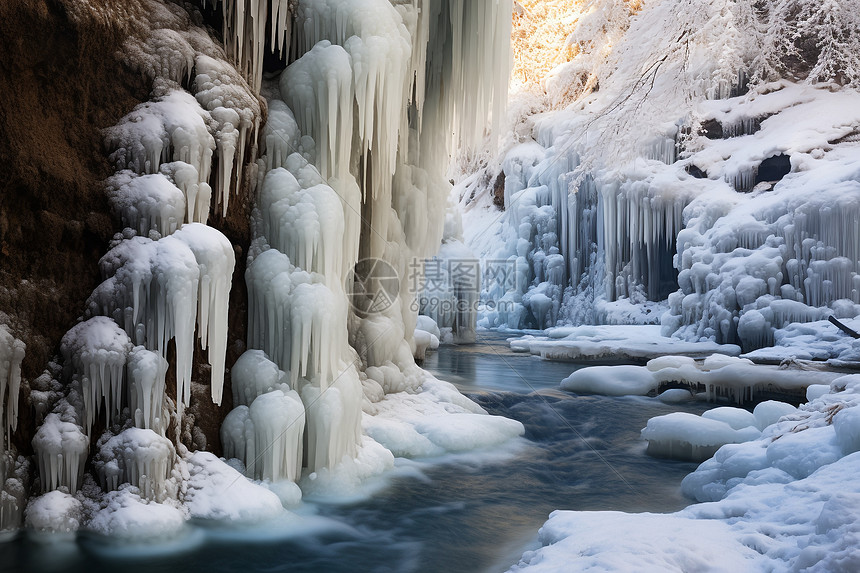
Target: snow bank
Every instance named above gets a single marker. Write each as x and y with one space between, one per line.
435 421
720 376
614 541
611 381
696 438
784 501
617 343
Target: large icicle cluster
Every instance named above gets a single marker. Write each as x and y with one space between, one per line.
166 275
737 214
360 125
213 125
570 239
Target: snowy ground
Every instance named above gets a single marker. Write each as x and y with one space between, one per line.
778 493
788 500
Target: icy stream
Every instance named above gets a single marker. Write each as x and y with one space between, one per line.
463 513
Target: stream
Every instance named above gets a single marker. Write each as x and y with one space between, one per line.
469 512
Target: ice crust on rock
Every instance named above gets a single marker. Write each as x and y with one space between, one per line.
173 127
235 112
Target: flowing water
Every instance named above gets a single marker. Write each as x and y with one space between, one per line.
475 512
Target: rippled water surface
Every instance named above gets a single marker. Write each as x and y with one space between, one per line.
474 512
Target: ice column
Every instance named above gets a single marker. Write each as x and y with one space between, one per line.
11 356
96 351
61 449
139 457
146 372
265 431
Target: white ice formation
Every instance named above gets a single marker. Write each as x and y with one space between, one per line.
717 377
61 449
167 275
361 127
139 457
11 355
360 123
671 187
158 290
96 352
266 428
55 512
146 384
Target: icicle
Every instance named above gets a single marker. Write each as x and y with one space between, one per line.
198 195
215 261
96 352
334 423
61 449
146 372
254 374
146 203
11 355
139 457
279 423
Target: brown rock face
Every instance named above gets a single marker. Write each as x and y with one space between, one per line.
61 83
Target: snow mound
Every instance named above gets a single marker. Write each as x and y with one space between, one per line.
218 492
693 438
54 512
436 421
125 516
